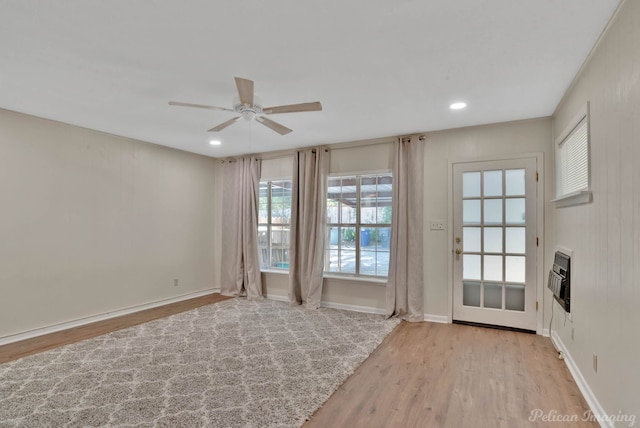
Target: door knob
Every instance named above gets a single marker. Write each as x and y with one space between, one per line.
458 251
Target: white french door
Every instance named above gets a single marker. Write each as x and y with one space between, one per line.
494 233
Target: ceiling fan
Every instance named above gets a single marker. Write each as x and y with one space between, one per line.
248 106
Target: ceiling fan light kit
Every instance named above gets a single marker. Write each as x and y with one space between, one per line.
247 112
249 107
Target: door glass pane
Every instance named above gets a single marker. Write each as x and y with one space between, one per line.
471 266
515 240
492 268
515 268
514 182
471 293
514 297
493 239
471 239
492 211
470 184
493 183
515 211
471 211
492 295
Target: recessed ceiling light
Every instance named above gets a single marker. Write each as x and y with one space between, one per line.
215 142
457 106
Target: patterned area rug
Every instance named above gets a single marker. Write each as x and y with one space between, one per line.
236 363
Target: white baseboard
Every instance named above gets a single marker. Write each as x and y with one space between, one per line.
442 319
101 317
277 297
588 394
354 308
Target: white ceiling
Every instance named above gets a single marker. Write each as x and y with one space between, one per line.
380 68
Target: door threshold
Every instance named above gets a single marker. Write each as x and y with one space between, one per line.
496 327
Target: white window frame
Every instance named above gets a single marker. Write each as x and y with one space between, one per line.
358 226
267 266
565 162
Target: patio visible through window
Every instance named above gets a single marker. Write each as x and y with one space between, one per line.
358 225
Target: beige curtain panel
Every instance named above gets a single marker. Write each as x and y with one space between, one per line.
240 274
405 282
308 220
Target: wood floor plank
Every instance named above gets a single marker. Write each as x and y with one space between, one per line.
43 343
448 375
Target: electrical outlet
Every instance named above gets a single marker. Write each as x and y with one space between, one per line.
437 225
176 282
595 363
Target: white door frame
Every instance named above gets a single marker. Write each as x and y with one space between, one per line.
540 230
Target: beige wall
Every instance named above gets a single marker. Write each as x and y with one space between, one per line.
605 234
481 142
499 141
92 223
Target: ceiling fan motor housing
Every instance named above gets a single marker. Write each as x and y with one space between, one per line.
248 112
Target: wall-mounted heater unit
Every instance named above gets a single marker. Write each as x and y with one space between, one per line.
560 280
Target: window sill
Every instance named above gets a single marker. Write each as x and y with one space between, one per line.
576 198
367 279
277 271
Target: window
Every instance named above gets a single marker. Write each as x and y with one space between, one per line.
358 225
572 162
274 220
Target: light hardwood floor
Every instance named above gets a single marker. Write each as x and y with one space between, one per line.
422 375
449 375
26 347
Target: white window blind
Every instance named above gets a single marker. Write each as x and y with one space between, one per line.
573 161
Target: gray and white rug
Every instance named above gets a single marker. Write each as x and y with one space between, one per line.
236 363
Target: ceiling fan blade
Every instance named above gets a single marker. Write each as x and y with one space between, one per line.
292 108
245 91
224 124
176 103
280 129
